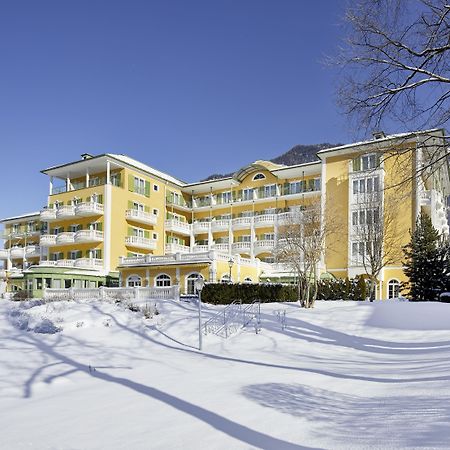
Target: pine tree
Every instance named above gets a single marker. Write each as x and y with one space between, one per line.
426 262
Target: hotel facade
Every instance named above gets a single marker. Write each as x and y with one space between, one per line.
111 220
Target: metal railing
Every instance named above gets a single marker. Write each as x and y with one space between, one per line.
232 318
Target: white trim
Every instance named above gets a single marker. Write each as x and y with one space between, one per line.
135 276
107 227
160 274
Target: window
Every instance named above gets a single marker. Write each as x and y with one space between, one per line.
367 216
269 190
190 283
224 197
94 181
247 194
162 280
366 162
155 187
67 284
155 211
139 185
368 184
155 236
248 280
134 281
225 278
393 289
115 179
245 238
38 284
259 176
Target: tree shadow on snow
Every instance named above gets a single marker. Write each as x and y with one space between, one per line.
387 422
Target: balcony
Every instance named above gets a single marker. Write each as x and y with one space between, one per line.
241 247
220 225
242 222
47 263
176 226
89 263
88 236
2 273
222 247
65 263
65 238
32 251
264 245
3 254
47 240
17 252
64 212
140 242
201 227
176 248
264 220
141 216
200 248
48 214
89 209
179 202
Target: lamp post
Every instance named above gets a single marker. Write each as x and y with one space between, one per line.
199 283
230 265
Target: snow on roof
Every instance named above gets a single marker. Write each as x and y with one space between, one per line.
144 167
22 216
385 139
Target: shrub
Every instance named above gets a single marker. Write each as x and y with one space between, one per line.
226 293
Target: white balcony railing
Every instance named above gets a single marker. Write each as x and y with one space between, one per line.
264 220
47 240
65 211
222 247
140 242
200 248
200 227
89 209
17 252
2 273
89 236
264 245
178 227
241 247
177 248
89 263
141 216
48 214
65 263
242 222
32 251
47 263
3 254
65 238
220 225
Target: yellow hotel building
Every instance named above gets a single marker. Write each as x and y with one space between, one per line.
112 220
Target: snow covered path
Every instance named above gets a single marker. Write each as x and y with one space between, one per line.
344 375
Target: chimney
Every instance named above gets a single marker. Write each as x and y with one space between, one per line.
378 135
86 156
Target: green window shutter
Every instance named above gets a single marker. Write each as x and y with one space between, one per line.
147 188
146 234
60 255
100 198
129 254
130 204
147 209
99 254
130 231
100 226
119 179
131 183
79 254
356 164
286 188
88 199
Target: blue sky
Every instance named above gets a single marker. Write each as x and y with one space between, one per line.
189 87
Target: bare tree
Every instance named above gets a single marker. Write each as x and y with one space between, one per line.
301 244
376 237
396 61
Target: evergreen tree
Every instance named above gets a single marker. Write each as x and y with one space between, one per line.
426 262
360 289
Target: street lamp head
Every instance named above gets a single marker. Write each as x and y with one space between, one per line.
230 263
199 284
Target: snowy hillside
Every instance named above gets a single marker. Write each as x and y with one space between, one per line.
344 375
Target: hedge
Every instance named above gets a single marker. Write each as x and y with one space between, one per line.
226 293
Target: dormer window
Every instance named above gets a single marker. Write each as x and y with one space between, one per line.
366 162
259 176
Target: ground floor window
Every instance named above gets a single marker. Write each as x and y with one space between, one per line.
393 289
134 281
190 283
163 280
225 278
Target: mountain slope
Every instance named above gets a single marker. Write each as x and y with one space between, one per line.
298 154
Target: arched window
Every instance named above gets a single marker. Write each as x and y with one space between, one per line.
248 280
190 283
162 280
259 176
393 289
134 281
225 278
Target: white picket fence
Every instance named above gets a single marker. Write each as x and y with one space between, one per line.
113 294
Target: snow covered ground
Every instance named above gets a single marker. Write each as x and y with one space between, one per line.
344 375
